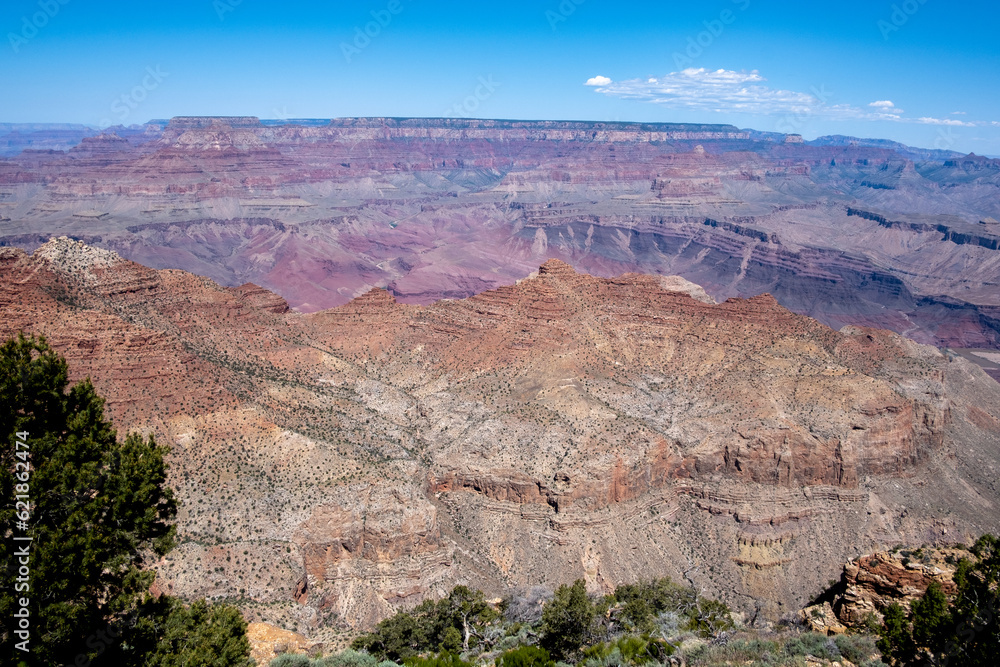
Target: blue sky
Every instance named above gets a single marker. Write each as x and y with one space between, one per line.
923 72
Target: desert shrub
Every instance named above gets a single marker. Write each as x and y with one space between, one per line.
856 648
628 650
443 659
290 660
525 656
347 658
815 644
602 655
742 651
709 617
752 649
669 624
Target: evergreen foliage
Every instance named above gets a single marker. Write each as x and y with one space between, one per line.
525 656
201 635
443 659
964 633
449 625
631 626
100 511
973 637
566 620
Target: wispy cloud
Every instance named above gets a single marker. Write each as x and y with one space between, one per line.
946 121
708 90
729 91
887 108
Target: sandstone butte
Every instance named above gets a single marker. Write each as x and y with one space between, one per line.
336 466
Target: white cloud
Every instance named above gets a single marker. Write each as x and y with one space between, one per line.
708 90
728 91
944 121
958 113
886 109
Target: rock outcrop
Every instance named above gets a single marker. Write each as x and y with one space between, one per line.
871 583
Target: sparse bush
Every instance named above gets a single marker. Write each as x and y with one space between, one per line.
443 659
526 607
525 656
856 648
815 644
348 658
290 660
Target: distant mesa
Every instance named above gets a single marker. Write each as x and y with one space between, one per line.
205 122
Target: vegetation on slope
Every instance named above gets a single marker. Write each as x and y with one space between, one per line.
963 631
96 510
649 623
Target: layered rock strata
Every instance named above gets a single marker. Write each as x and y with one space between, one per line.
336 466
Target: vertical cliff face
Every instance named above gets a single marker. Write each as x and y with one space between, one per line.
335 466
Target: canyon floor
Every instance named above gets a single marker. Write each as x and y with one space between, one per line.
337 465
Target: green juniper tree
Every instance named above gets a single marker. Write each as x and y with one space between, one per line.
966 632
567 620
202 634
976 611
896 640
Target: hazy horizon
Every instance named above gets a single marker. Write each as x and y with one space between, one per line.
916 72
